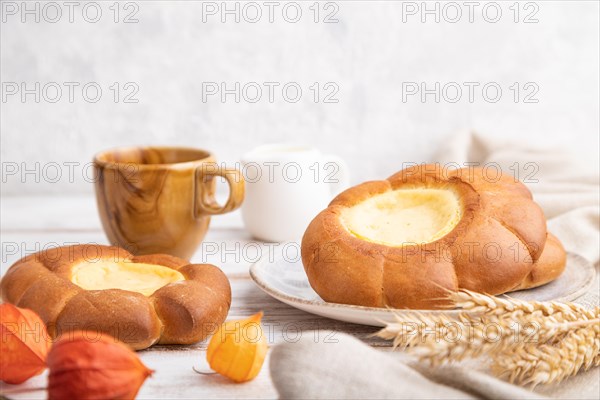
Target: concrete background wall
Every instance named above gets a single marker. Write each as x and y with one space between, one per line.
372 54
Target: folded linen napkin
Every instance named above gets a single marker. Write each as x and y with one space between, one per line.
349 369
569 194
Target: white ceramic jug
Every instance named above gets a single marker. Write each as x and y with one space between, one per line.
286 187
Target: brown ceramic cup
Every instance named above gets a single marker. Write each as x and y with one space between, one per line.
160 199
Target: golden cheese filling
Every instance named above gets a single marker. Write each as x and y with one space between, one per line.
404 216
135 277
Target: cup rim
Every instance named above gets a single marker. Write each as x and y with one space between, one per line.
113 164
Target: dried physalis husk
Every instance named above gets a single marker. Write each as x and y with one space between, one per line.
238 349
24 344
90 365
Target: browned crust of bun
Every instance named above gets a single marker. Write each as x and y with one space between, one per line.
187 324
182 312
549 266
499 245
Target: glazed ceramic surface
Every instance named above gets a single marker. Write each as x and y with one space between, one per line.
160 199
291 183
286 281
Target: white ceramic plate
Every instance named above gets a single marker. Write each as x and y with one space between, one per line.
287 282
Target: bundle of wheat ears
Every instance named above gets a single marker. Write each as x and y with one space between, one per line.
529 342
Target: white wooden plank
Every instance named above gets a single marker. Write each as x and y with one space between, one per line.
173 378
283 323
74 212
33 224
49 213
232 249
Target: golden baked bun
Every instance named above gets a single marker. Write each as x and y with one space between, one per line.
140 300
404 241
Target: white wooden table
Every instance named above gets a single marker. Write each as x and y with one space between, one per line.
30 224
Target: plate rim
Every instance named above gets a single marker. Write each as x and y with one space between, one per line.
278 294
291 300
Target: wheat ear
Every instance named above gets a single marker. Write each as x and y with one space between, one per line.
428 336
565 336
492 305
550 363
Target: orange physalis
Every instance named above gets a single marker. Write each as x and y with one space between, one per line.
24 344
94 366
238 349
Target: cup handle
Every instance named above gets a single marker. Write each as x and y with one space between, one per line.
340 179
204 193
